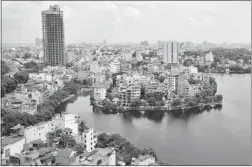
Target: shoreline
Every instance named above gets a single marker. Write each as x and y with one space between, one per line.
150 108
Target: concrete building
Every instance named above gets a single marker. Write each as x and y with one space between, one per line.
95 67
143 160
39 131
139 56
172 82
53 35
99 92
160 44
67 120
89 139
99 157
193 70
209 57
115 67
12 145
127 94
171 52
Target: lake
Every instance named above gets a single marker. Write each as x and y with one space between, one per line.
216 137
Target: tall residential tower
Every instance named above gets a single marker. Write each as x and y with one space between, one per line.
53 35
171 51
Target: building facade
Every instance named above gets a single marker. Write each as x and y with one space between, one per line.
53 35
171 52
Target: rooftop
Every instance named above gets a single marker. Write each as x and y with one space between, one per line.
10 140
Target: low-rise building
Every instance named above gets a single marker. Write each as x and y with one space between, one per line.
12 145
98 157
143 160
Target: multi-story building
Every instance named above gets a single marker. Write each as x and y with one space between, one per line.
53 35
139 56
160 44
172 82
209 57
95 67
171 50
127 94
89 139
115 67
39 131
98 78
11 145
67 120
99 92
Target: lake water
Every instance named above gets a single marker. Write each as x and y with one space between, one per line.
215 137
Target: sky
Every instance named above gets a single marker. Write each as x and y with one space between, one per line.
132 21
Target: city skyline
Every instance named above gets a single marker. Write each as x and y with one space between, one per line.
122 22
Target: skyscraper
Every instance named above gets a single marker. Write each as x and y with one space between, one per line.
53 35
171 50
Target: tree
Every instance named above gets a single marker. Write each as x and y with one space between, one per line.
149 151
151 101
142 92
27 55
218 98
79 148
21 77
136 103
188 62
30 65
176 102
4 68
67 141
82 127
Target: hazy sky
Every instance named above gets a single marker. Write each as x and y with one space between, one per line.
132 21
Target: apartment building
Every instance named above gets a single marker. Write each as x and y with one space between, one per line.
115 67
209 57
171 51
66 120
53 35
39 131
98 78
99 92
127 94
89 139
172 82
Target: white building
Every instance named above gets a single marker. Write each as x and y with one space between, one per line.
209 57
89 139
66 120
114 67
12 145
193 70
95 67
39 131
139 56
160 44
99 92
171 50
143 160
